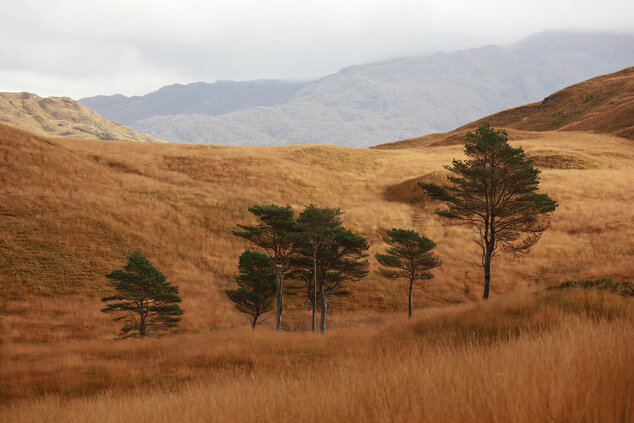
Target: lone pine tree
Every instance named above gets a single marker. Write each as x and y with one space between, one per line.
148 302
256 283
494 192
408 256
275 234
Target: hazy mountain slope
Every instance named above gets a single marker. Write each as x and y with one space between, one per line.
371 104
196 98
62 117
604 104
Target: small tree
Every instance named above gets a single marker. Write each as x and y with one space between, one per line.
148 302
494 192
275 234
409 256
256 282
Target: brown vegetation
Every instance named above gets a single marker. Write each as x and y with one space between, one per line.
62 117
71 210
555 356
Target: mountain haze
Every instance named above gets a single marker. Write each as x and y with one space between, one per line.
375 103
604 104
198 97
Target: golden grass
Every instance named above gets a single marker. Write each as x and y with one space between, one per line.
563 356
72 211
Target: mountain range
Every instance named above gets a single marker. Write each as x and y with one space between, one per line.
375 103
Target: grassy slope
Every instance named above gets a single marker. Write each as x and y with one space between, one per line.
604 104
62 117
72 210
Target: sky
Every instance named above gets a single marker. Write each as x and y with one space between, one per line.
80 48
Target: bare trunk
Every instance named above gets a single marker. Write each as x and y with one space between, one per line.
254 322
142 331
411 287
487 273
324 309
314 291
280 302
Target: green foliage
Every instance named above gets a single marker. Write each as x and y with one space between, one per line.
273 233
148 302
276 234
256 283
327 255
408 256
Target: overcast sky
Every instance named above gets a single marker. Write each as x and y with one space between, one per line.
89 47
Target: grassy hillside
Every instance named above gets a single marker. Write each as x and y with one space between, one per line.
73 209
62 117
604 104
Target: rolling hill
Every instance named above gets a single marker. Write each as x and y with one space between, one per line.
604 104
62 117
374 103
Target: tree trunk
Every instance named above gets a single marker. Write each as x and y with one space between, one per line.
254 322
411 287
142 320
280 303
314 291
324 309
487 273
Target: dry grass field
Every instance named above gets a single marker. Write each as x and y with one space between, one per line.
71 210
563 356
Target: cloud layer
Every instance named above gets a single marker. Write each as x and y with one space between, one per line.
82 48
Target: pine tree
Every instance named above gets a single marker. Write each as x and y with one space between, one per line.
343 259
316 226
326 256
256 285
148 302
494 192
275 234
408 256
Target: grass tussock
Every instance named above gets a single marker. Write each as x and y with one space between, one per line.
530 356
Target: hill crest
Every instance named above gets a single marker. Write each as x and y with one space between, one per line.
62 117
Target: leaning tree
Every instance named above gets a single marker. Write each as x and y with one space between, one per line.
275 234
494 192
146 301
256 286
408 256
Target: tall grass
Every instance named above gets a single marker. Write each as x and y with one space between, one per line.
542 360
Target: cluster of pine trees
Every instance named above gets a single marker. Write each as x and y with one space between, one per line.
319 255
493 192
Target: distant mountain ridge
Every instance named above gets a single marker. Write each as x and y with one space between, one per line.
365 105
62 117
603 105
195 98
